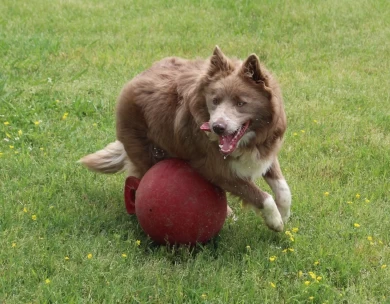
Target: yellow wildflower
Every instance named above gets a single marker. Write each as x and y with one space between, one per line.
34 217
357 195
273 285
288 233
20 132
369 238
204 296
303 131
312 274
356 225
6 123
326 193
1 153
47 281
311 298
383 266
25 210
138 242
94 124
66 258
124 255
319 278
300 273
284 250
272 258
13 245
316 263
295 230
11 147
37 122
315 121
367 200
89 256
65 115
295 133
350 203
307 283
8 135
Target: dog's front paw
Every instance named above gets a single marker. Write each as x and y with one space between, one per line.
285 213
283 199
271 215
275 223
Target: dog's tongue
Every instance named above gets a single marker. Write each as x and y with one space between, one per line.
205 127
228 143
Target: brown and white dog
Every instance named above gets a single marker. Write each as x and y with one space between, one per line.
224 116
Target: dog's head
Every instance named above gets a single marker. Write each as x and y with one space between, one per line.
239 100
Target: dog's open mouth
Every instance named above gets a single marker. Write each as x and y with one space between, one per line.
228 143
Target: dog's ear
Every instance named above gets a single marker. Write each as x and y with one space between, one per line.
251 68
219 63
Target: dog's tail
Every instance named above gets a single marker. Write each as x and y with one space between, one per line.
111 159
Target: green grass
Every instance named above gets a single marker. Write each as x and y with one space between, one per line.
332 60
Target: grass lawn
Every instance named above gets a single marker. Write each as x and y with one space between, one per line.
65 236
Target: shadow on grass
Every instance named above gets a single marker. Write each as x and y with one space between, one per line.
111 219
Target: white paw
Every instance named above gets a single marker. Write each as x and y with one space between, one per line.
229 211
271 215
285 213
282 197
230 214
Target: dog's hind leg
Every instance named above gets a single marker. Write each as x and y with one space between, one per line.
279 186
138 152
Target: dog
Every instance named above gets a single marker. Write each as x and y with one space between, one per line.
224 116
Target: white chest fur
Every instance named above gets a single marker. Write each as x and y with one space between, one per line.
250 165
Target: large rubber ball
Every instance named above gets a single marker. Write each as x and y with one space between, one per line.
175 205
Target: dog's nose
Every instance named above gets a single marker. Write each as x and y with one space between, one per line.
219 128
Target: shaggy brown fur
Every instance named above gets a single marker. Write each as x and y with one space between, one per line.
160 112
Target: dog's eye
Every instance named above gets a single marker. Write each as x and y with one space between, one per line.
241 103
215 101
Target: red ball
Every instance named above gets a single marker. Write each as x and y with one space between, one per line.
175 205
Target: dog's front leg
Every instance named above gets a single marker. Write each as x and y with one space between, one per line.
279 186
261 201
